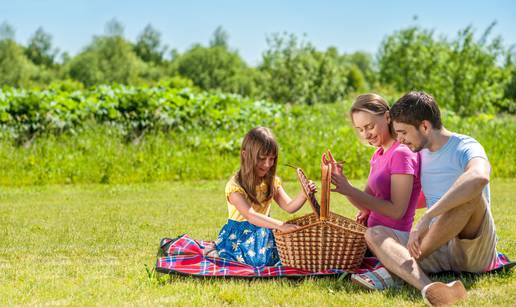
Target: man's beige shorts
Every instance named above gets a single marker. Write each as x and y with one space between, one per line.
461 255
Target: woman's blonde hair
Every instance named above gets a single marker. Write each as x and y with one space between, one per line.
374 104
258 142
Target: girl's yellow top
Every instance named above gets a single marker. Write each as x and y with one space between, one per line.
264 207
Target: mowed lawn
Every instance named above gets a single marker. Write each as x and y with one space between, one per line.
94 245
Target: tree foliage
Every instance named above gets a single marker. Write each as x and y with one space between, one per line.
15 68
220 38
463 74
468 73
40 50
148 46
108 59
217 68
296 72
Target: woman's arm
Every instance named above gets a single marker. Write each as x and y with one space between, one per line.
363 214
255 218
355 202
401 190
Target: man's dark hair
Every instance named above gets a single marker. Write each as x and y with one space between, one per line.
415 107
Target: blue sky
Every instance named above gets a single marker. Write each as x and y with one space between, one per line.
350 26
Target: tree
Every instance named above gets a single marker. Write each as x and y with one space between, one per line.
215 68
356 80
6 31
148 46
462 74
39 49
509 103
476 82
362 61
114 28
15 68
412 59
107 59
296 72
220 38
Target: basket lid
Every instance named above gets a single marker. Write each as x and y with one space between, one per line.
303 180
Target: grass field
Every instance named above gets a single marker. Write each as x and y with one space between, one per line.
93 244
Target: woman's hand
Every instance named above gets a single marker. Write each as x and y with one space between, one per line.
362 217
336 166
287 227
342 184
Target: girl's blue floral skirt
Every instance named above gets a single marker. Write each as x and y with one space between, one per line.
247 243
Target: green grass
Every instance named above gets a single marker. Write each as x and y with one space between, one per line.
91 245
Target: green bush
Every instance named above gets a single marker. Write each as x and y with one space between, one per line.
133 110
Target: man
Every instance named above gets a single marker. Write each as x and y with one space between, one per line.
457 232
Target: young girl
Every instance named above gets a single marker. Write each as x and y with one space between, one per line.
247 235
393 187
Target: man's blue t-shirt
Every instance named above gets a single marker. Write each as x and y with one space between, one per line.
440 169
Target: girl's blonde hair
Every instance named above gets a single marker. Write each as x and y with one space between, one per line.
258 142
374 104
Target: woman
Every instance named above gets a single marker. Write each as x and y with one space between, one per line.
393 186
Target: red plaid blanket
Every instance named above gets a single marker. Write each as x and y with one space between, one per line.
185 255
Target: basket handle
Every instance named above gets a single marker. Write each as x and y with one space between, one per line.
326 169
303 180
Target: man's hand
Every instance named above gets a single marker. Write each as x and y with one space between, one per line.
414 241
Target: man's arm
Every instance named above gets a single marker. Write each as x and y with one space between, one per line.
468 186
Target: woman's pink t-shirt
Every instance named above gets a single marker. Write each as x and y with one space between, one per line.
398 159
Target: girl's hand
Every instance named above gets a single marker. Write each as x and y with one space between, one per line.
311 187
342 184
362 217
287 227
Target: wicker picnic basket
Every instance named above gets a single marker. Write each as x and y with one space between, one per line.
325 240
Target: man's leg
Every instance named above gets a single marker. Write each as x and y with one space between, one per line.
394 256
463 221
